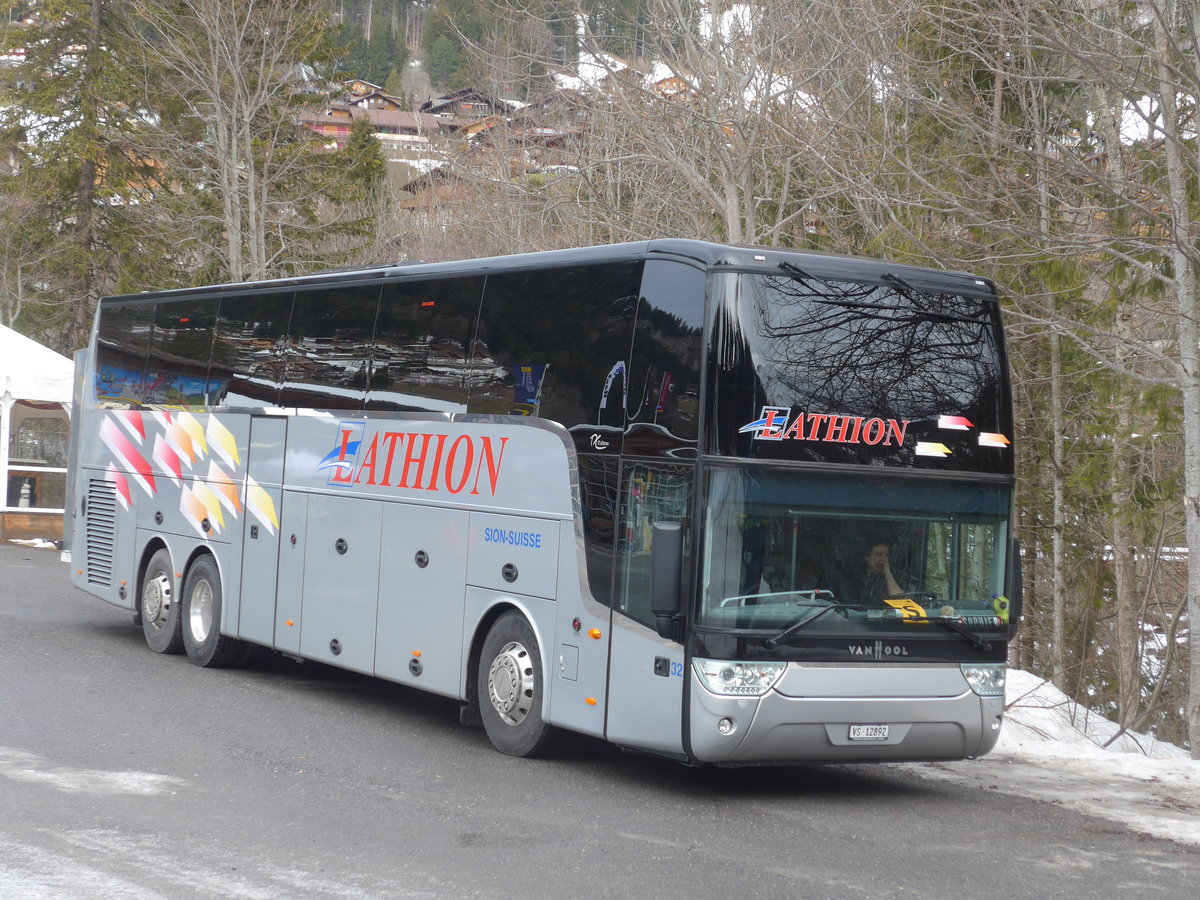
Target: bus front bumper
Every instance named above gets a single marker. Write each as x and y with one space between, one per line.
847 714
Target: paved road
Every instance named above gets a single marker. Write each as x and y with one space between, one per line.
125 774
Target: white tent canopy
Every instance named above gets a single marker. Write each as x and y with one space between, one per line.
32 379
29 371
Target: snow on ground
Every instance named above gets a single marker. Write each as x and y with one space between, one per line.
36 542
1052 749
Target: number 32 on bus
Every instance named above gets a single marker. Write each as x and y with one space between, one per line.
722 504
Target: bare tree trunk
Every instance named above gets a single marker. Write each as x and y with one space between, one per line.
80 323
1058 587
1125 564
1189 351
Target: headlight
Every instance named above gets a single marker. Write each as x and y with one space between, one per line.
742 679
985 679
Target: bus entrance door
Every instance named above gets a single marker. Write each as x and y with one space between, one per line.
645 683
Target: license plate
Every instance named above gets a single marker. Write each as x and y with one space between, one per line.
868 732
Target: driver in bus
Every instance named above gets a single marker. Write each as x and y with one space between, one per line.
876 580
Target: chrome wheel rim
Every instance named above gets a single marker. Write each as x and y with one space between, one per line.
200 611
511 683
156 599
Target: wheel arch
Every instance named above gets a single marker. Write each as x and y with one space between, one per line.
151 547
483 625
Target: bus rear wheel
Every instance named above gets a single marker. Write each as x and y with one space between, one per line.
158 605
510 688
201 615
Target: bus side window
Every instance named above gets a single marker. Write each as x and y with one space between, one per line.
555 343
649 494
600 504
664 365
422 343
247 359
177 364
328 346
122 341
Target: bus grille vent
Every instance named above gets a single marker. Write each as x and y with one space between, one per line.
101 531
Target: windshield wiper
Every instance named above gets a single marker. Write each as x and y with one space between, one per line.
772 642
958 627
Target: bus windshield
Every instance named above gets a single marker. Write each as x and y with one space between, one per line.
846 552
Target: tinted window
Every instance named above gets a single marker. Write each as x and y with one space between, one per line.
555 343
838 371
328 347
248 342
601 506
422 345
665 362
122 339
177 365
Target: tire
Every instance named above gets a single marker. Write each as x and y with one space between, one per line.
158 605
201 619
510 688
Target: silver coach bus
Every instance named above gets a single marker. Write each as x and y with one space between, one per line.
723 504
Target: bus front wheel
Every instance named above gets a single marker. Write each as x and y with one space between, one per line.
201 615
158 605
510 688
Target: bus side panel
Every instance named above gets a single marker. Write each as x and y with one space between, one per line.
341 581
293 541
418 638
111 471
261 544
579 661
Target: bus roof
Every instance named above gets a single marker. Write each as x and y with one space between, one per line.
707 254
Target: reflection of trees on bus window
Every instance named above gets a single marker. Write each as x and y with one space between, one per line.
422 344
871 349
180 349
327 349
576 321
247 351
122 340
663 370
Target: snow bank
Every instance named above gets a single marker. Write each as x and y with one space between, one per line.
1052 749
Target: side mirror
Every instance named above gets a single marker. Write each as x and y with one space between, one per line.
666 575
1016 589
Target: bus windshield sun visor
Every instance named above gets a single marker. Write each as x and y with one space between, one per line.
901 286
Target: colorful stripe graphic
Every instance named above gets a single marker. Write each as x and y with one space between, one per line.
955 423
928 448
988 439
130 458
167 459
222 442
121 483
225 488
261 506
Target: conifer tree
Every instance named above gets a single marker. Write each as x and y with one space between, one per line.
81 180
